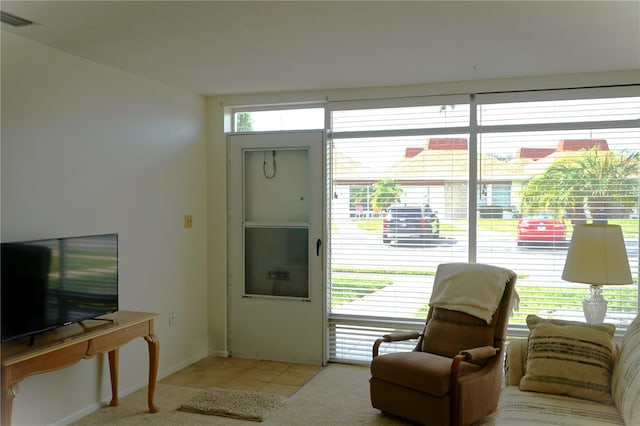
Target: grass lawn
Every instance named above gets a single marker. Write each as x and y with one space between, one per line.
346 289
533 298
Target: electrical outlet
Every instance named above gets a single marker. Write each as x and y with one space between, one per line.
188 221
172 319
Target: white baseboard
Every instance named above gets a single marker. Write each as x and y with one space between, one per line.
220 354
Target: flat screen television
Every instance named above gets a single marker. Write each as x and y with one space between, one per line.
54 282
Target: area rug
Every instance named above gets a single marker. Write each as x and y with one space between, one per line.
244 405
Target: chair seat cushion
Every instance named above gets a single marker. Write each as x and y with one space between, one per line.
421 371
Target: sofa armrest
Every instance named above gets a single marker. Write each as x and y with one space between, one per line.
515 361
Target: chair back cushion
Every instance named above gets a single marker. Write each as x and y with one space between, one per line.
448 332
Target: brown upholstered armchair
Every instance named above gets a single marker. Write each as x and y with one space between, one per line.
453 375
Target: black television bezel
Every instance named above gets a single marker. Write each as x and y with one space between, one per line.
33 333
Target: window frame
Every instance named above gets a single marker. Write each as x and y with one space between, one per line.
473 129
234 111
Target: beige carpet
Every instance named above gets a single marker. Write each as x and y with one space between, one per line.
338 395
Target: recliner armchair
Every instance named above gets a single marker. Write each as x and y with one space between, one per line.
453 375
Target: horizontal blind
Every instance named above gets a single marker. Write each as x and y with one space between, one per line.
399 185
543 167
418 156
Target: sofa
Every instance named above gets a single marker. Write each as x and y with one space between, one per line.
570 373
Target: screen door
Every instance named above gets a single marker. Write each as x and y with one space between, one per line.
276 275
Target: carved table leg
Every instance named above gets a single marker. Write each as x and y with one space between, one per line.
154 355
7 402
113 372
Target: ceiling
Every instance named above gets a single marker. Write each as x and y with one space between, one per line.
234 47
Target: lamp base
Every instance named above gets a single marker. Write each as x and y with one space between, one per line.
595 306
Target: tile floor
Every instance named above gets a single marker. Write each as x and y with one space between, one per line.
278 378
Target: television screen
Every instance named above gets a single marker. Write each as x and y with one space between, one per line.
50 283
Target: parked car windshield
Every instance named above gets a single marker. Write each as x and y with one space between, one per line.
540 216
407 213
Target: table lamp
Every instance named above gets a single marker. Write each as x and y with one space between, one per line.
597 256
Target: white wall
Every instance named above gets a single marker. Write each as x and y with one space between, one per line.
90 149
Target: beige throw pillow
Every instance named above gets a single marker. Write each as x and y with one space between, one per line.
569 358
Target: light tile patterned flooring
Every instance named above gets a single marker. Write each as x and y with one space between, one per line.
273 377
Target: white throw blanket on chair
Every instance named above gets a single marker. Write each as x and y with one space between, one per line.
472 288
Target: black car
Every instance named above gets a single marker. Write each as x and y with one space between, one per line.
410 222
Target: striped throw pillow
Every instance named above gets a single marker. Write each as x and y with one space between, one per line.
569 358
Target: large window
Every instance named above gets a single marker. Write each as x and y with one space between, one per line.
405 175
399 206
568 161
276 119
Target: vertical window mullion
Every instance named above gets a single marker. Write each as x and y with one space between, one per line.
473 178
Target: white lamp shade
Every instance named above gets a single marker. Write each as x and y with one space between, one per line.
597 256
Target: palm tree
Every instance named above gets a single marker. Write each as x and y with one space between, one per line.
386 192
602 182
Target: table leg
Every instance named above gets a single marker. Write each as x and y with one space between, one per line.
8 394
154 354
113 372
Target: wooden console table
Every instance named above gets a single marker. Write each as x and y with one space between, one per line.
67 345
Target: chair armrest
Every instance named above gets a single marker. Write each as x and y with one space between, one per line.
476 354
394 337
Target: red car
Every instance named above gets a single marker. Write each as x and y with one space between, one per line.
541 228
